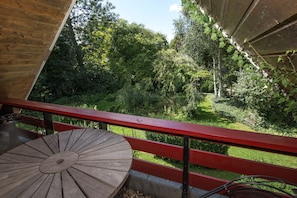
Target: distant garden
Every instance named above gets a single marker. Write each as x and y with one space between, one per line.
103 62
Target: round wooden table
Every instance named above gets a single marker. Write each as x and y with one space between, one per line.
76 163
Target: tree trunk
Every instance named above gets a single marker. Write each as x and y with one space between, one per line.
220 92
78 51
214 76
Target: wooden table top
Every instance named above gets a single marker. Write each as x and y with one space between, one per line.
76 163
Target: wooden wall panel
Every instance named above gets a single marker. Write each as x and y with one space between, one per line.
28 29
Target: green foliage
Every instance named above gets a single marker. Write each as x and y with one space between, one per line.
176 74
135 99
254 91
195 144
133 51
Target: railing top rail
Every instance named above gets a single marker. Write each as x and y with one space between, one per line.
267 142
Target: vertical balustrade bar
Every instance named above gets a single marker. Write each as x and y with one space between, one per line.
185 192
102 125
48 123
6 110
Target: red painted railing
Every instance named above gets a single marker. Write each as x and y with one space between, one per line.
270 143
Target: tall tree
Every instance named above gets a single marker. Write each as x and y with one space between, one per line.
133 50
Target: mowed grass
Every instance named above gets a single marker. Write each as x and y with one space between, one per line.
208 117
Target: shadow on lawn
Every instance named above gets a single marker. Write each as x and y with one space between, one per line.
207 116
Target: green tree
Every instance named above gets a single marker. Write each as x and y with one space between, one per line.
258 93
58 76
177 76
133 51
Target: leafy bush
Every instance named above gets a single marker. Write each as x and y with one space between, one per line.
195 144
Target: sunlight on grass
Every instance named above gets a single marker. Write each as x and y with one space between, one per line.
207 116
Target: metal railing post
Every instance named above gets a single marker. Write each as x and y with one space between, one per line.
185 190
103 125
48 123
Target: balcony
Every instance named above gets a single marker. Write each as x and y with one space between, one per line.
148 173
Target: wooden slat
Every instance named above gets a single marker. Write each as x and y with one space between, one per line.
63 140
52 142
31 190
265 15
55 190
70 188
279 40
21 158
124 165
92 187
105 136
113 178
122 154
25 150
75 135
110 145
37 8
84 141
231 18
38 144
18 181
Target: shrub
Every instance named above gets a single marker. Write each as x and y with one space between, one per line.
195 144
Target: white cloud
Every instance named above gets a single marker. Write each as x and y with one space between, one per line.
175 8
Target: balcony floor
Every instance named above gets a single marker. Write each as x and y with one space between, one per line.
11 136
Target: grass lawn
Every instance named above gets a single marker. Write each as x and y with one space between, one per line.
208 117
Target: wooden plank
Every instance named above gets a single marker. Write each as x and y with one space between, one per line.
52 142
70 188
63 140
31 190
280 40
34 10
26 17
123 165
6 167
18 180
232 17
263 16
114 143
23 23
44 187
218 9
18 48
92 187
89 138
26 150
113 178
26 40
55 190
39 145
12 32
74 137
108 148
122 154
95 142
21 158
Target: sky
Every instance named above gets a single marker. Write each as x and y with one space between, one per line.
156 15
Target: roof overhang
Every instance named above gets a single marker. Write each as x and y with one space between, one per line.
265 29
28 32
